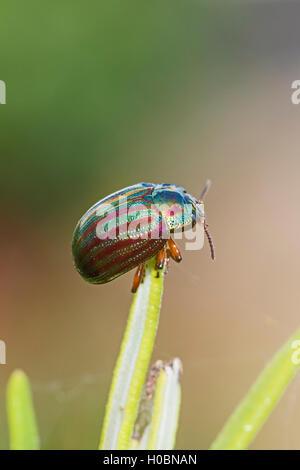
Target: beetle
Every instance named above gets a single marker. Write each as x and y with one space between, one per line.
126 228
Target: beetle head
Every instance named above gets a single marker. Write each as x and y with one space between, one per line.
179 209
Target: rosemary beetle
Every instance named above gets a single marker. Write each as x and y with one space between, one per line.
125 229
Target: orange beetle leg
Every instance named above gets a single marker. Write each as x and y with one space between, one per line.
160 260
138 278
168 256
174 251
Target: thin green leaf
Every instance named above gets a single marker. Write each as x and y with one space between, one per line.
133 361
165 413
248 418
21 418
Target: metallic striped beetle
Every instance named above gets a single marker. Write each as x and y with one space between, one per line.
130 226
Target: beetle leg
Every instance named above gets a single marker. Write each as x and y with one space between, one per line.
160 260
174 251
168 256
138 278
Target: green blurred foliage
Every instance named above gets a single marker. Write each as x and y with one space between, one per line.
78 78
82 78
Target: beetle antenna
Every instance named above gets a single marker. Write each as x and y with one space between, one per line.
211 245
205 189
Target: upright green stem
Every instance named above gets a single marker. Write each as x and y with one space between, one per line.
165 413
250 415
133 361
21 418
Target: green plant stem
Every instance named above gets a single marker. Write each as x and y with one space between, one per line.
165 413
133 361
252 412
21 418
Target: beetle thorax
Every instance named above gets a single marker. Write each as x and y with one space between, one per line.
179 209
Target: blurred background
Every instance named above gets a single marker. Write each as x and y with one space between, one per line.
105 94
